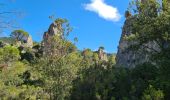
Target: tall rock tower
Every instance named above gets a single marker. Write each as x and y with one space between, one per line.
102 55
54 30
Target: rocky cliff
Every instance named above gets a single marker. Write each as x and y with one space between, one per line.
127 57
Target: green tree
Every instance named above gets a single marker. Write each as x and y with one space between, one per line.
152 94
12 83
19 35
9 54
64 27
58 74
151 25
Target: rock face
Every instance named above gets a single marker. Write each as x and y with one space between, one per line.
124 57
47 42
52 31
29 42
127 57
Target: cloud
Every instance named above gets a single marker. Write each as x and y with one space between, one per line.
104 10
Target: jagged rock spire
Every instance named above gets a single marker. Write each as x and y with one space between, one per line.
52 31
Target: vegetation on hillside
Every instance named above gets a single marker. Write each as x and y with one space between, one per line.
64 73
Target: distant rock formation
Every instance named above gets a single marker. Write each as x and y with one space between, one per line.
28 42
102 55
47 37
52 31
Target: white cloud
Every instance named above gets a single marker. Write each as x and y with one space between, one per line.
104 10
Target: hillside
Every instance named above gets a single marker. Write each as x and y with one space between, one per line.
7 40
55 68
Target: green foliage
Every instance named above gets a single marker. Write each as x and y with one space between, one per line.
102 48
127 14
152 94
58 71
19 35
94 83
111 60
64 27
152 25
58 46
58 74
9 54
11 84
27 54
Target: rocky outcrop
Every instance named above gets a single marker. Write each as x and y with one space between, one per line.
127 57
47 42
124 57
29 42
102 55
52 31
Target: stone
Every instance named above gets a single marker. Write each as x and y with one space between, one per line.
52 31
48 36
127 57
102 55
29 42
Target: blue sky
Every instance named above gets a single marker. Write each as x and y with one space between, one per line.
95 22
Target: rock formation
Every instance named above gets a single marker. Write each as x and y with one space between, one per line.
102 55
52 31
29 42
127 57
47 38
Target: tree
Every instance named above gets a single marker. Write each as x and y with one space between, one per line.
20 35
12 71
151 25
58 44
59 65
152 94
102 48
64 27
12 84
9 54
111 60
58 74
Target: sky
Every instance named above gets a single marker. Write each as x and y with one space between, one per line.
95 22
